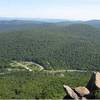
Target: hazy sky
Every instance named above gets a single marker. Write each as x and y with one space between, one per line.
60 9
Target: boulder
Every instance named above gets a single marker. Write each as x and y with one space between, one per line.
83 98
82 91
71 92
94 82
97 80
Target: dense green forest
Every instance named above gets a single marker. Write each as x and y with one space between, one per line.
35 56
26 85
54 46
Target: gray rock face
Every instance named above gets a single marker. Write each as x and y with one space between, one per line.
83 98
82 91
94 82
71 92
97 81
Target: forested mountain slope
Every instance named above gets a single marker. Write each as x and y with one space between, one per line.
72 47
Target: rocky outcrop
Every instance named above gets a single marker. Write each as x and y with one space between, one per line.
83 93
71 92
77 93
94 82
97 81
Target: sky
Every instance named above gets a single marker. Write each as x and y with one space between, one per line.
53 9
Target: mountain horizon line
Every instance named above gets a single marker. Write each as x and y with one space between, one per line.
46 19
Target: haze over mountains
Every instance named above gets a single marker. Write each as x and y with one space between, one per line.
19 21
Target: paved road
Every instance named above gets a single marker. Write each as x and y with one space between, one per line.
41 67
62 71
24 66
81 71
49 71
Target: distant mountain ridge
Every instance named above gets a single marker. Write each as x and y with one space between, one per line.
59 22
95 23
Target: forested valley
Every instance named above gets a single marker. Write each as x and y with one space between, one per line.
35 57
52 46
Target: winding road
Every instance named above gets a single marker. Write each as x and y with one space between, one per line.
48 71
